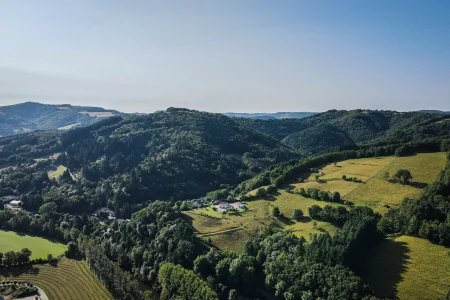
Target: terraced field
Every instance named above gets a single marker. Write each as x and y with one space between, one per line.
69 280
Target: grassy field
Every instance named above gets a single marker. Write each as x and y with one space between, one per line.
67 127
230 232
208 211
40 247
56 173
375 191
409 268
69 280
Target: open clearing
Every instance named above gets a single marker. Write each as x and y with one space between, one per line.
69 280
409 268
40 247
67 127
98 114
232 230
56 173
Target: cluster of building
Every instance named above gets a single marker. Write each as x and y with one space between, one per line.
220 206
225 206
11 202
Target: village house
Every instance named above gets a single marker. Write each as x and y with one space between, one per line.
238 205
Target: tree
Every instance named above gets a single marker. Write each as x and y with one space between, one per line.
261 192
344 177
49 257
9 259
276 212
233 295
336 197
184 206
403 176
179 283
23 256
297 215
72 250
48 209
314 211
271 189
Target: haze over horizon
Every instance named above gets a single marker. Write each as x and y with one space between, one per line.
230 56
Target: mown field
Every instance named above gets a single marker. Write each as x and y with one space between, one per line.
69 280
229 232
40 247
408 268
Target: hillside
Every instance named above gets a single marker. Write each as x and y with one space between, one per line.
174 154
271 116
31 116
298 215
335 129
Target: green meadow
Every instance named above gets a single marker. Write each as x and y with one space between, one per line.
40 247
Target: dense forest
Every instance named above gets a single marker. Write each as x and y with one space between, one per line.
338 129
143 167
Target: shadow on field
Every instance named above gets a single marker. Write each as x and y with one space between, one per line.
419 185
19 270
384 267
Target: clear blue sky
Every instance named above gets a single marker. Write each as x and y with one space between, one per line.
246 56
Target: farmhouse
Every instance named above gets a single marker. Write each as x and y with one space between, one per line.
238 205
15 203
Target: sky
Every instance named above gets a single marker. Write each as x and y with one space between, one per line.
222 56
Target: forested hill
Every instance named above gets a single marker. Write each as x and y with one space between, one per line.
271 116
30 116
124 162
335 129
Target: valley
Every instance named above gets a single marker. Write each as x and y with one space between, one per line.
181 198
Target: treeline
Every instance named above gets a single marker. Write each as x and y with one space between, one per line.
11 258
117 281
318 194
427 217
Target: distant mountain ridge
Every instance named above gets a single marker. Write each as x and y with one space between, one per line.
272 116
29 116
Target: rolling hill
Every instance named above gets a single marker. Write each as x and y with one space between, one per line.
172 154
31 116
347 129
271 116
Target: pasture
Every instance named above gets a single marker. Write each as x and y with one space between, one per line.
231 231
68 280
40 247
376 191
408 268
